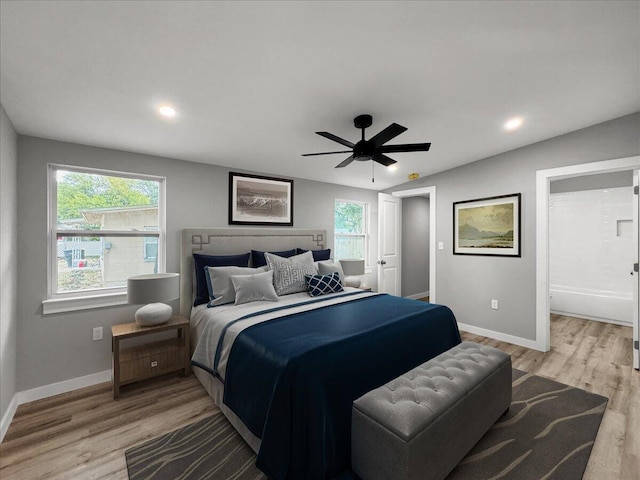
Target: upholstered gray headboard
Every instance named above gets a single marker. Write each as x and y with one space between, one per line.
230 241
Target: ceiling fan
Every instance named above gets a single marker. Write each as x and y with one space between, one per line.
374 148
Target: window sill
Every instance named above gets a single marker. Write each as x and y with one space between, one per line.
72 304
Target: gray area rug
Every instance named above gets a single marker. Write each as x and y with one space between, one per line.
548 433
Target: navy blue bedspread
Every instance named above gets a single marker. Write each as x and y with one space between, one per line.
292 380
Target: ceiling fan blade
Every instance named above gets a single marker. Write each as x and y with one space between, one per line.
346 162
324 153
387 134
383 159
331 136
407 147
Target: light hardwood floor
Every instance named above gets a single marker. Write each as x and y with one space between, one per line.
83 434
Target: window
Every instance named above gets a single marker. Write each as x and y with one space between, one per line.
104 227
350 230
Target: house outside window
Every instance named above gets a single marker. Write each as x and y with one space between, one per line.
150 252
351 230
104 227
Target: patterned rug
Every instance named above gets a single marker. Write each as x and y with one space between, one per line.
548 433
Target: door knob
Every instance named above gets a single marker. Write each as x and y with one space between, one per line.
382 262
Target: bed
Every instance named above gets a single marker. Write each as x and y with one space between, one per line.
286 373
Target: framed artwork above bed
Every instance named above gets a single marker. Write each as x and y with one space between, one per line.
487 226
258 200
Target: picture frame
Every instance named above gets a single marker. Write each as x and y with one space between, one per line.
487 226
259 200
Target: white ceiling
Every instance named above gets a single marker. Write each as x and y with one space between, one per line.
252 81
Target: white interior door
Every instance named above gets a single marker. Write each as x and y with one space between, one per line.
635 273
389 218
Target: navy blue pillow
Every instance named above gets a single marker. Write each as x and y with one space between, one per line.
258 260
318 255
201 261
323 284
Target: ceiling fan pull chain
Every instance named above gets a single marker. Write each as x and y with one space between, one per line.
373 166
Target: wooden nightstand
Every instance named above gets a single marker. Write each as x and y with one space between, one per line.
140 362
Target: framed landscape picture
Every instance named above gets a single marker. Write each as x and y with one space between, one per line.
487 226
257 200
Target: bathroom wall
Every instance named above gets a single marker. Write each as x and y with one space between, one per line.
591 254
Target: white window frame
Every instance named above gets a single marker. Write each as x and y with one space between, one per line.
102 297
365 235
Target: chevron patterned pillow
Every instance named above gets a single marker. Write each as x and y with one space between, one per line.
323 284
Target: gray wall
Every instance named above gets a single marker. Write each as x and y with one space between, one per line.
593 182
8 260
468 283
53 348
415 245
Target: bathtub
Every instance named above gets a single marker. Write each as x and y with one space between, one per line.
600 305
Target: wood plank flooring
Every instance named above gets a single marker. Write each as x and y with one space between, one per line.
83 434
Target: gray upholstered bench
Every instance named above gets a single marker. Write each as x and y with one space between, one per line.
420 425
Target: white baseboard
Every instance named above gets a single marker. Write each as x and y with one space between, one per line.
417 296
8 416
503 337
65 386
50 390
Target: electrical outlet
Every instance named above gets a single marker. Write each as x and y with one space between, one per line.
494 304
97 333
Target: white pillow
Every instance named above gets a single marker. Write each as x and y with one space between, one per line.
288 273
222 290
252 288
328 267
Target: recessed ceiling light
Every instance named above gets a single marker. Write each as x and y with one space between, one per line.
513 123
392 168
167 111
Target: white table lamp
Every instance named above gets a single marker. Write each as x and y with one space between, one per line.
352 268
153 289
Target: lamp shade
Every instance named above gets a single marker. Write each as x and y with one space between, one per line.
155 287
352 266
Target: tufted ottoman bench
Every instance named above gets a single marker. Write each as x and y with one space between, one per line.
421 424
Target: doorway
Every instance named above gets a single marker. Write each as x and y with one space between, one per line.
390 230
414 239
543 182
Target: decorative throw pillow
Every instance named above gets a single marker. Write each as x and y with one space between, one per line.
323 284
318 255
222 291
252 288
258 260
288 273
202 261
327 268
